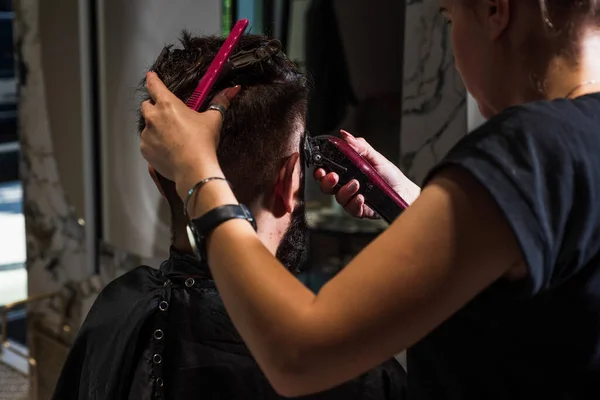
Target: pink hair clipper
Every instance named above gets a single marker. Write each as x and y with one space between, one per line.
335 155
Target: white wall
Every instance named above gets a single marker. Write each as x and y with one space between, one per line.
135 217
474 118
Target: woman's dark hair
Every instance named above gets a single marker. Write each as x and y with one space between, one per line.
557 33
558 16
567 11
259 128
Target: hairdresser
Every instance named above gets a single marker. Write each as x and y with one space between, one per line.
490 279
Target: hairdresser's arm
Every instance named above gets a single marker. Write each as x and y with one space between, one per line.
430 262
426 266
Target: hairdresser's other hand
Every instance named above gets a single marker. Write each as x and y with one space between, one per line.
346 195
178 140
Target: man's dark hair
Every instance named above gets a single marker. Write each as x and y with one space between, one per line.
260 123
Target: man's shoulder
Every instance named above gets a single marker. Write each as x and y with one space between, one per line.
131 278
127 290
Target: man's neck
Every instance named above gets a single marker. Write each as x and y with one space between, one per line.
182 245
268 232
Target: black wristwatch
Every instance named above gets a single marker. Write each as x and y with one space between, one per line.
199 228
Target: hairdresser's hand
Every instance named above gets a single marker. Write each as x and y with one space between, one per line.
177 140
346 196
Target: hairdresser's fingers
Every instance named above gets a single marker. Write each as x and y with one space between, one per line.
146 110
345 194
360 145
157 89
328 183
355 207
319 174
223 99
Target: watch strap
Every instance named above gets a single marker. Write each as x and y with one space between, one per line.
215 217
201 227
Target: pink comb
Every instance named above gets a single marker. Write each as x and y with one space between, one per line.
198 98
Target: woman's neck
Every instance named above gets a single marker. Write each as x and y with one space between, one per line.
565 83
566 78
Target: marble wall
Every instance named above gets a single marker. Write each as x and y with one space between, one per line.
55 238
55 235
434 113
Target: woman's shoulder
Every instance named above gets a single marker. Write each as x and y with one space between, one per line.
521 118
550 118
543 133
560 128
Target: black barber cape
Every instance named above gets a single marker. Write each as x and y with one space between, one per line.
165 334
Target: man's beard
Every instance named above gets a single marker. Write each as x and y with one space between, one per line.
291 251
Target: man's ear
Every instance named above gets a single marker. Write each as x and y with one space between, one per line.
288 183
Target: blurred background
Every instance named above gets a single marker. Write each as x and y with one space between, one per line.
77 208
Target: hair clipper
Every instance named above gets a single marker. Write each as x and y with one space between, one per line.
335 155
